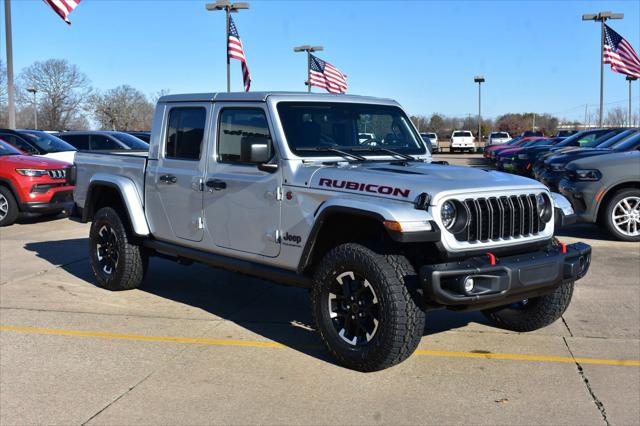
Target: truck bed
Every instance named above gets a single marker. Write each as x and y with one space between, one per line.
90 166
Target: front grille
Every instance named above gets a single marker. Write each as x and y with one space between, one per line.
57 173
496 218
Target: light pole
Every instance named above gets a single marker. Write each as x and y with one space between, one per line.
35 106
308 49
479 79
630 78
11 107
602 17
228 7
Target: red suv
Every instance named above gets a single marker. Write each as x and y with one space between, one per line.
32 184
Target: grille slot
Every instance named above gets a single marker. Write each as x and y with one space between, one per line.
57 173
496 218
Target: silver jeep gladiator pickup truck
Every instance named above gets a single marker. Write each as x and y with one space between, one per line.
338 194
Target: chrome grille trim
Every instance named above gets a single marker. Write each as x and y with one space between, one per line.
57 173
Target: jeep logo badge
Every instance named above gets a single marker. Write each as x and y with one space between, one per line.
297 239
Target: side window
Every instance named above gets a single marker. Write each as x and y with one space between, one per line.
18 143
80 142
102 143
185 132
239 129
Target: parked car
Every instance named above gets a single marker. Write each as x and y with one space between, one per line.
565 133
462 140
493 154
378 234
32 184
487 151
575 141
521 161
103 141
431 138
506 155
37 142
554 166
606 190
498 138
143 136
532 133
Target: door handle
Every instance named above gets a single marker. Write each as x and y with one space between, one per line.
168 179
216 184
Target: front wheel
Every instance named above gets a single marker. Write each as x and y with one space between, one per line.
532 314
622 215
117 263
8 207
364 307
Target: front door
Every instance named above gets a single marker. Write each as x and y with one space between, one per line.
242 202
176 176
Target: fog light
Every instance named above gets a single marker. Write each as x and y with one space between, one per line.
468 284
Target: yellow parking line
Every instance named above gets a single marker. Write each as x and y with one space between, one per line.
256 344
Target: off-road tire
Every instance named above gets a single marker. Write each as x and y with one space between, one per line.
132 262
12 207
395 282
536 313
608 211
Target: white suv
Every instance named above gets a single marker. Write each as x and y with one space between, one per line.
462 140
431 138
497 138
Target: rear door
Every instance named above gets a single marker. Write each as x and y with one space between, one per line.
175 178
242 202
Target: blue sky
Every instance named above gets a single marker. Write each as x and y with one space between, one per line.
536 55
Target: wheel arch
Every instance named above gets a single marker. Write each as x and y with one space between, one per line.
120 192
610 193
7 184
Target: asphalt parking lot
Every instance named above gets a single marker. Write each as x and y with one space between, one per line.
198 346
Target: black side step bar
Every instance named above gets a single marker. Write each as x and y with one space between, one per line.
271 273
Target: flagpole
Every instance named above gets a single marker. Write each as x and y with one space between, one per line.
308 71
308 49
228 9
11 110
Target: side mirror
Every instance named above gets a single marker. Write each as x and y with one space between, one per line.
255 149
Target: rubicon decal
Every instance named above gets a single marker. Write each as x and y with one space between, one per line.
365 187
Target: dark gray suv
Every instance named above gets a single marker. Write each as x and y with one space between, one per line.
606 189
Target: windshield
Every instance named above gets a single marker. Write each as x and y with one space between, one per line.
618 139
6 149
600 139
432 136
461 134
131 141
500 135
47 142
325 125
579 138
628 143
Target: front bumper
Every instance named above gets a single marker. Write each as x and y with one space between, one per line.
61 200
520 167
550 179
582 196
509 280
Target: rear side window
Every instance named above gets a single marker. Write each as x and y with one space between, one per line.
78 141
236 125
185 133
19 143
103 143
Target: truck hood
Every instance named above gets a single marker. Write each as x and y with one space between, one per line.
391 180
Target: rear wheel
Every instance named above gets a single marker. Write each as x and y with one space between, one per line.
364 308
622 215
534 313
8 207
117 264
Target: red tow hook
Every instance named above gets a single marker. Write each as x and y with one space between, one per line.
563 248
492 259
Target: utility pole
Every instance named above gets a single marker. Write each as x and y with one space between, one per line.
602 17
35 106
586 106
533 125
308 49
11 110
630 78
229 8
479 79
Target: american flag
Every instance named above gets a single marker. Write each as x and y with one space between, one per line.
63 7
235 51
324 75
619 54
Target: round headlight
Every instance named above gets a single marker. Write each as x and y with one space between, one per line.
544 207
448 214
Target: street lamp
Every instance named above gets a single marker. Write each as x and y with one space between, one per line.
35 106
602 17
630 78
228 7
479 79
308 49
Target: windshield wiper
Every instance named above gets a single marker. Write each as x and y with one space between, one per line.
332 149
387 150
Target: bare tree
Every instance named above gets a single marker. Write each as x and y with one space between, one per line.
63 91
3 94
616 116
123 108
